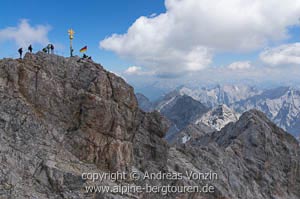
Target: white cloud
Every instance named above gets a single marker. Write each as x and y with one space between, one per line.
136 70
185 37
240 65
282 55
25 34
133 70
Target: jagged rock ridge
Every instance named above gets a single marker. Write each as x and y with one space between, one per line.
255 158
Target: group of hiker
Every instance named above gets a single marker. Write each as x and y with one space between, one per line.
49 48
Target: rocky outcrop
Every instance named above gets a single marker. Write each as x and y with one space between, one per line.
98 107
255 158
60 116
190 133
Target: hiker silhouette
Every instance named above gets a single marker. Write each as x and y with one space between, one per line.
52 48
30 48
48 48
20 52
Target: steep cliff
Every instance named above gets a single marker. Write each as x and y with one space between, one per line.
60 117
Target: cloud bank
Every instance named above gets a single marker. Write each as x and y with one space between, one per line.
240 65
25 34
282 55
186 37
133 70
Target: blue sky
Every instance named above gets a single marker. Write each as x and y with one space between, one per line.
162 44
91 20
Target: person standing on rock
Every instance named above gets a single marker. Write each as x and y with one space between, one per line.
52 48
48 48
30 48
20 52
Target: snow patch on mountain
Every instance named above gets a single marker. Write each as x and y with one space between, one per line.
166 103
218 117
185 139
281 105
226 94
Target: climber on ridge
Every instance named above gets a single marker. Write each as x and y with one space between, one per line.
48 48
30 48
20 52
52 48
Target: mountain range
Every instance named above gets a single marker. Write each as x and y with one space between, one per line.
281 105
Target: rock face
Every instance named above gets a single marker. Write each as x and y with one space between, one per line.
218 117
60 118
190 133
255 159
181 111
98 103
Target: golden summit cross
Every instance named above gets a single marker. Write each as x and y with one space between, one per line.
71 37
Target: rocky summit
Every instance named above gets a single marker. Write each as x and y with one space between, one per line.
218 117
61 118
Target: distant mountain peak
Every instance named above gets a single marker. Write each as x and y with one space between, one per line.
218 117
